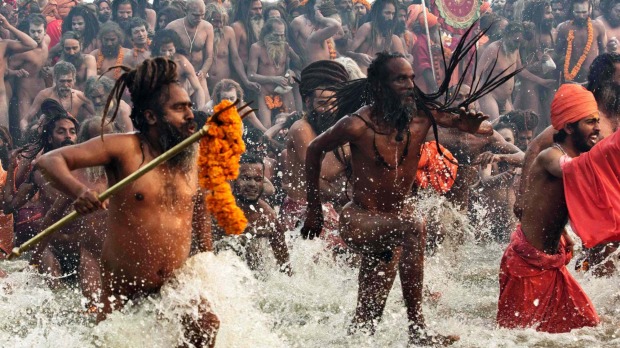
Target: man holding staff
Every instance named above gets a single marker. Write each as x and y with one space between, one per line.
142 249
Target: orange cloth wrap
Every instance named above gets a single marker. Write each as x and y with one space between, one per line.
363 2
435 170
571 103
431 18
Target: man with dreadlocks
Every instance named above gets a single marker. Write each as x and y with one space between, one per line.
376 35
385 136
247 24
316 86
138 261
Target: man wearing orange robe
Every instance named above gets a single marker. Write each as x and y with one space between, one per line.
536 289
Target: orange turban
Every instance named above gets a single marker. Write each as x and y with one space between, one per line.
363 2
431 18
485 7
571 103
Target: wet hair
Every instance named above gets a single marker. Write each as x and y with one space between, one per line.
163 37
226 85
34 19
91 24
504 125
112 27
172 13
53 112
148 85
268 27
93 83
63 68
375 15
117 3
328 9
522 120
136 22
252 158
322 74
602 72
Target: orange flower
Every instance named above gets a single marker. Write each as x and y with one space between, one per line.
332 50
274 102
218 163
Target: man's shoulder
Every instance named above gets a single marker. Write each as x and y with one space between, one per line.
205 25
175 23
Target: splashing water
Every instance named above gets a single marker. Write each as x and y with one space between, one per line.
312 308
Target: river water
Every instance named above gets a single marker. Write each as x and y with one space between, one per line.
310 309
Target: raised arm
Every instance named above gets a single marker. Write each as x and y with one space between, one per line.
505 151
331 28
23 43
466 121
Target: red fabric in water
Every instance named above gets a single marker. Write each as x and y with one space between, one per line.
592 190
536 290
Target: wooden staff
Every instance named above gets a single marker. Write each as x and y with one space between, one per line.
17 251
428 39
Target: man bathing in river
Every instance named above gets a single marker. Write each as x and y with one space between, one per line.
385 139
163 117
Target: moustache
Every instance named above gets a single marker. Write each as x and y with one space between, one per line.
67 142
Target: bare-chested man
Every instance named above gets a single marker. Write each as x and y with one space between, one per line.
536 289
104 10
320 44
610 18
165 44
85 64
139 30
302 26
269 66
138 261
583 44
122 12
112 53
196 40
97 91
26 67
72 100
8 48
225 50
84 22
376 35
247 24
232 91
385 139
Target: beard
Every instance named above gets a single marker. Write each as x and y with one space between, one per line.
169 137
276 49
581 141
124 24
608 97
103 17
386 27
397 111
580 22
256 23
110 51
63 92
75 59
547 24
218 34
347 17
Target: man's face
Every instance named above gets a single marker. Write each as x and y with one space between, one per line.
64 134
64 84
388 12
162 21
322 101
500 3
139 35
513 41
177 111
400 80
586 134
506 133
524 138
278 33
110 43
216 20
581 12
195 14
402 15
167 50
273 13
256 10
558 11
78 24
124 12
360 9
230 95
71 48
248 187
98 97
345 6
548 18
37 32
104 12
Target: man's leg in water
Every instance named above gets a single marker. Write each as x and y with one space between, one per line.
90 278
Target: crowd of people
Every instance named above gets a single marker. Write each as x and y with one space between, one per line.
349 96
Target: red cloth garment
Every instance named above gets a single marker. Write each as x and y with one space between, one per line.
536 290
6 221
54 31
592 191
435 170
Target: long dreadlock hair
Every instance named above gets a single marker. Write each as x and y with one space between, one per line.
353 95
91 24
242 14
376 15
146 84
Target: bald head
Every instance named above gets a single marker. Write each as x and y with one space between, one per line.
195 12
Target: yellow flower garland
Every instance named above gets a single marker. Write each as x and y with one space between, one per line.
218 163
570 75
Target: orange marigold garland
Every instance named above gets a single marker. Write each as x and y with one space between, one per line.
333 54
570 75
273 102
218 163
119 61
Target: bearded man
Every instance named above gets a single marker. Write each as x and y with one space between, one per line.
579 41
25 69
83 21
122 12
225 50
85 64
72 100
536 289
247 23
97 91
196 40
112 53
376 35
138 31
610 18
268 66
104 11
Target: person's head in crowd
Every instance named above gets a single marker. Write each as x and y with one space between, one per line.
9 12
345 10
167 15
611 11
56 129
580 11
82 20
539 13
71 44
513 36
123 11
104 10
178 4
361 8
165 43
506 131
216 15
294 9
97 90
273 37
524 124
248 187
604 83
26 8
352 68
316 87
138 31
111 37
195 12
274 11
254 141
6 145
575 117
498 4
250 14
509 10
91 128
227 89
495 25
383 17
559 9
64 78
35 25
